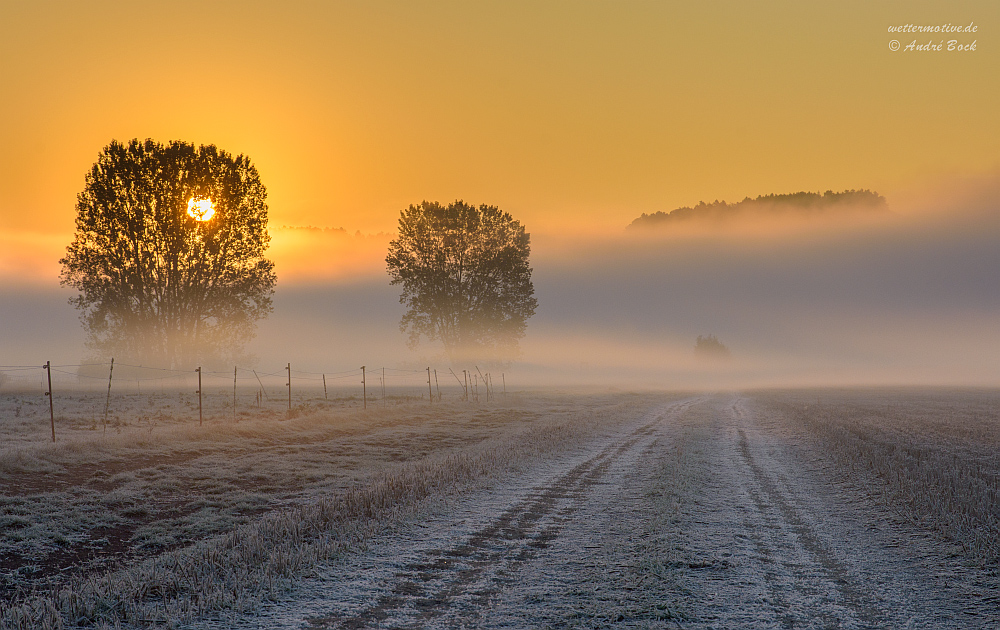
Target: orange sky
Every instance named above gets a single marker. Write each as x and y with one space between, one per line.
570 114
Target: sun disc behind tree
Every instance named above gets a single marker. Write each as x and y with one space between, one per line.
200 209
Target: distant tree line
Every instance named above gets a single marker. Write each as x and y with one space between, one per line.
797 204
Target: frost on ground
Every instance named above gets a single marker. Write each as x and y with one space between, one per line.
703 513
761 510
93 500
322 483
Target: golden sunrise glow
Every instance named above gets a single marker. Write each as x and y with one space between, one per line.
674 103
201 209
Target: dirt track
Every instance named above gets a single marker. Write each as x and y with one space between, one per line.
701 515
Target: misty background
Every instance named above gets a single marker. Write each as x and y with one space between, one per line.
910 299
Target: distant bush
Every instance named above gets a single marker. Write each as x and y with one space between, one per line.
711 347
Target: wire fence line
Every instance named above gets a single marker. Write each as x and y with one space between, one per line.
237 391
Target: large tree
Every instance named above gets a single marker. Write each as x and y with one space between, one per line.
465 276
161 277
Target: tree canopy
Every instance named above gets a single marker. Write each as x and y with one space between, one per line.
465 276
161 278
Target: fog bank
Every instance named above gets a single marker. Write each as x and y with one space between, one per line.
912 299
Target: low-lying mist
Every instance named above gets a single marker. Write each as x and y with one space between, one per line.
911 297
906 297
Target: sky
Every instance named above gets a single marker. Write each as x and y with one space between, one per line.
576 117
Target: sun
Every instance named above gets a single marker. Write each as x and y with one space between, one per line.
201 209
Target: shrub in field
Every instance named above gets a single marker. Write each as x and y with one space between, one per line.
709 347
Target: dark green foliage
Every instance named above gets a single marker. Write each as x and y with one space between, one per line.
465 276
795 204
155 284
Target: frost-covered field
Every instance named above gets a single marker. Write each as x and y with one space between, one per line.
104 502
828 508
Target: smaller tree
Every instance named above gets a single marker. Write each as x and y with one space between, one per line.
465 277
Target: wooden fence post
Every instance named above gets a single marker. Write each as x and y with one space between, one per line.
483 379
200 417
261 385
430 393
107 404
364 388
289 385
436 385
456 378
234 395
52 413
325 397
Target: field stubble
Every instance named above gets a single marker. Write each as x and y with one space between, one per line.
931 456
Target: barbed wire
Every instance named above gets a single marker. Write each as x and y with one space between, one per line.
372 374
385 385
381 377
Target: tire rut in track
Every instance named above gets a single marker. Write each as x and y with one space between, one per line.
476 569
773 506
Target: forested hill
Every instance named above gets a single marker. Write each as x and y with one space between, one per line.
800 204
